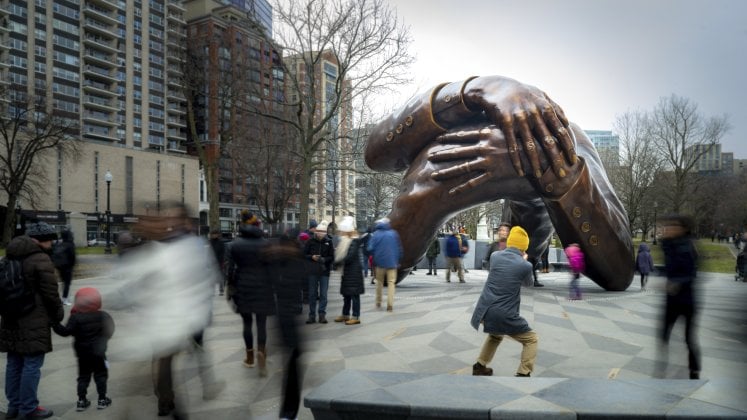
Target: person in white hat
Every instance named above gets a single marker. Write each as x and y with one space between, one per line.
347 254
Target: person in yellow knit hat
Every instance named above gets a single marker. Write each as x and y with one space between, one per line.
497 308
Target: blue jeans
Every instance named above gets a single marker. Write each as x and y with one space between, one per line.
318 285
22 375
355 300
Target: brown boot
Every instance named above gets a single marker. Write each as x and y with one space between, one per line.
262 361
479 369
249 361
342 318
353 321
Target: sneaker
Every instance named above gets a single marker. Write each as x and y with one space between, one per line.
389 308
478 369
82 404
66 302
523 375
103 403
538 284
40 413
694 374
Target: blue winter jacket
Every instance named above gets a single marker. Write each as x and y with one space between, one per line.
452 247
385 246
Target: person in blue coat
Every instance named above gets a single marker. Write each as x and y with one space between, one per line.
497 308
386 248
644 264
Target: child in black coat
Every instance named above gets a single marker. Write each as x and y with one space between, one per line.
91 327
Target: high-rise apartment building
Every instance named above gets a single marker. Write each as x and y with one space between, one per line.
607 145
242 72
708 157
113 68
332 192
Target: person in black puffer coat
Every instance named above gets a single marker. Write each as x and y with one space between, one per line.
249 277
351 287
28 338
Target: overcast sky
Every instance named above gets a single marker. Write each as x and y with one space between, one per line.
596 58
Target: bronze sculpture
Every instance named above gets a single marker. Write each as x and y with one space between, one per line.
486 138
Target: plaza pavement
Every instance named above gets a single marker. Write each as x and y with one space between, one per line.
604 336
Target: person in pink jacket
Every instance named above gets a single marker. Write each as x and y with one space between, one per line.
576 261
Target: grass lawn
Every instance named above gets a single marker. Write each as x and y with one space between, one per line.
714 257
84 250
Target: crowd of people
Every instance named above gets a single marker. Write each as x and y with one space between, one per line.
262 277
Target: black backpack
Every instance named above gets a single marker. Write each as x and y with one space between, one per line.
16 300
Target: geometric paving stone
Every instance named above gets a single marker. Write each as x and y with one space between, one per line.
448 343
611 345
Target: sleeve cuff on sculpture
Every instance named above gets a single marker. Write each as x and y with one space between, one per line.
555 189
448 106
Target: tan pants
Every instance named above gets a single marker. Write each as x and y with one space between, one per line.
456 263
390 274
528 353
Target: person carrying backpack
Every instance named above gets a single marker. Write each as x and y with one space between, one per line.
63 257
26 338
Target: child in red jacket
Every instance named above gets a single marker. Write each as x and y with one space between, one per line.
91 327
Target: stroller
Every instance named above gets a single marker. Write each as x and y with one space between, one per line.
741 267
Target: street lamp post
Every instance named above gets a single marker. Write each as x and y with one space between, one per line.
108 249
655 206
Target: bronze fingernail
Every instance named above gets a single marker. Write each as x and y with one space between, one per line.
561 172
538 173
521 172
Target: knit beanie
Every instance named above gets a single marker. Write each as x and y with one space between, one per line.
41 231
313 224
87 299
248 218
518 238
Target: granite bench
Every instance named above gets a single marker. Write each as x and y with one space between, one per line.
355 394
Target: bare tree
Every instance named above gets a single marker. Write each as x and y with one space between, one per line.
265 168
29 135
368 48
682 136
377 192
639 164
220 94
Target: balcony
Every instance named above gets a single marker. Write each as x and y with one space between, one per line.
100 133
176 134
175 121
176 17
98 12
174 69
100 42
98 87
99 118
106 4
175 108
100 59
176 5
175 95
98 28
96 102
177 30
175 146
98 72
